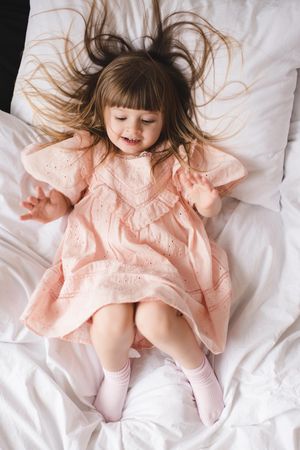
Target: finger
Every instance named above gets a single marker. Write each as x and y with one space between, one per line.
190 176
188 183
206 182
27 216
196 178
40 192
27 205
33 200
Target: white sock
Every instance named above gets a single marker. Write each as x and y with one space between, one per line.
112 393
207 392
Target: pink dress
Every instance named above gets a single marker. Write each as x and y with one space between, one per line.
130 239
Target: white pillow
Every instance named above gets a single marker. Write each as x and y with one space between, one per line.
269 33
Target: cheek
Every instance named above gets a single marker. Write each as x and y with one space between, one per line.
153 136
113 129
158 131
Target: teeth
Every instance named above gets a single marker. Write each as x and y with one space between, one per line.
131 140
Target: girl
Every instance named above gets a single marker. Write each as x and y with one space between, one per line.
135 175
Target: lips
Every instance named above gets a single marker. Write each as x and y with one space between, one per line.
131 141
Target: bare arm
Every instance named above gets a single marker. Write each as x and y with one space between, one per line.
45 208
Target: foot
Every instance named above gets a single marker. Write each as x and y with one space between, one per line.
207 392
112 393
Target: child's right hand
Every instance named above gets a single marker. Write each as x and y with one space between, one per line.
45 209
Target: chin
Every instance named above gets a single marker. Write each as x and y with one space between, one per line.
131 150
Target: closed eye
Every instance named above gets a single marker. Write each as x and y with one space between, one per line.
120 118
148 121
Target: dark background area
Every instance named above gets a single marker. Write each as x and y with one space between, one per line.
13 23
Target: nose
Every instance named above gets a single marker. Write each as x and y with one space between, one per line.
134 126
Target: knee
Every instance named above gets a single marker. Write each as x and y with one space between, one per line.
155 320
113 324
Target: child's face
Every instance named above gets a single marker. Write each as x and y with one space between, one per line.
132 130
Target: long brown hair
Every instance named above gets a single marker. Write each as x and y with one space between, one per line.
159 74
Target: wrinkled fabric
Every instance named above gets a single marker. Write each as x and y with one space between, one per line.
130 238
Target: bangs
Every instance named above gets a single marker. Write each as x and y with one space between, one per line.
134 97
133 84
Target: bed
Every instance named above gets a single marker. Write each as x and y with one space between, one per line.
48 386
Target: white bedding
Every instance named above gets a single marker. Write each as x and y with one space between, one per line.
48 386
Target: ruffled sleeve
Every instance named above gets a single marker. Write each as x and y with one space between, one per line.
66 165
223 170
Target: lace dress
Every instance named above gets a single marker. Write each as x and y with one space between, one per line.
130 239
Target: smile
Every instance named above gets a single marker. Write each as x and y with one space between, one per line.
131 141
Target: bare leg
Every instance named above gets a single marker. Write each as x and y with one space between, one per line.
169 332
162 326
112 333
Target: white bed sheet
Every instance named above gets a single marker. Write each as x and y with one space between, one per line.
47 387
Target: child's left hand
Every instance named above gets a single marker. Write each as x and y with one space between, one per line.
202 193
